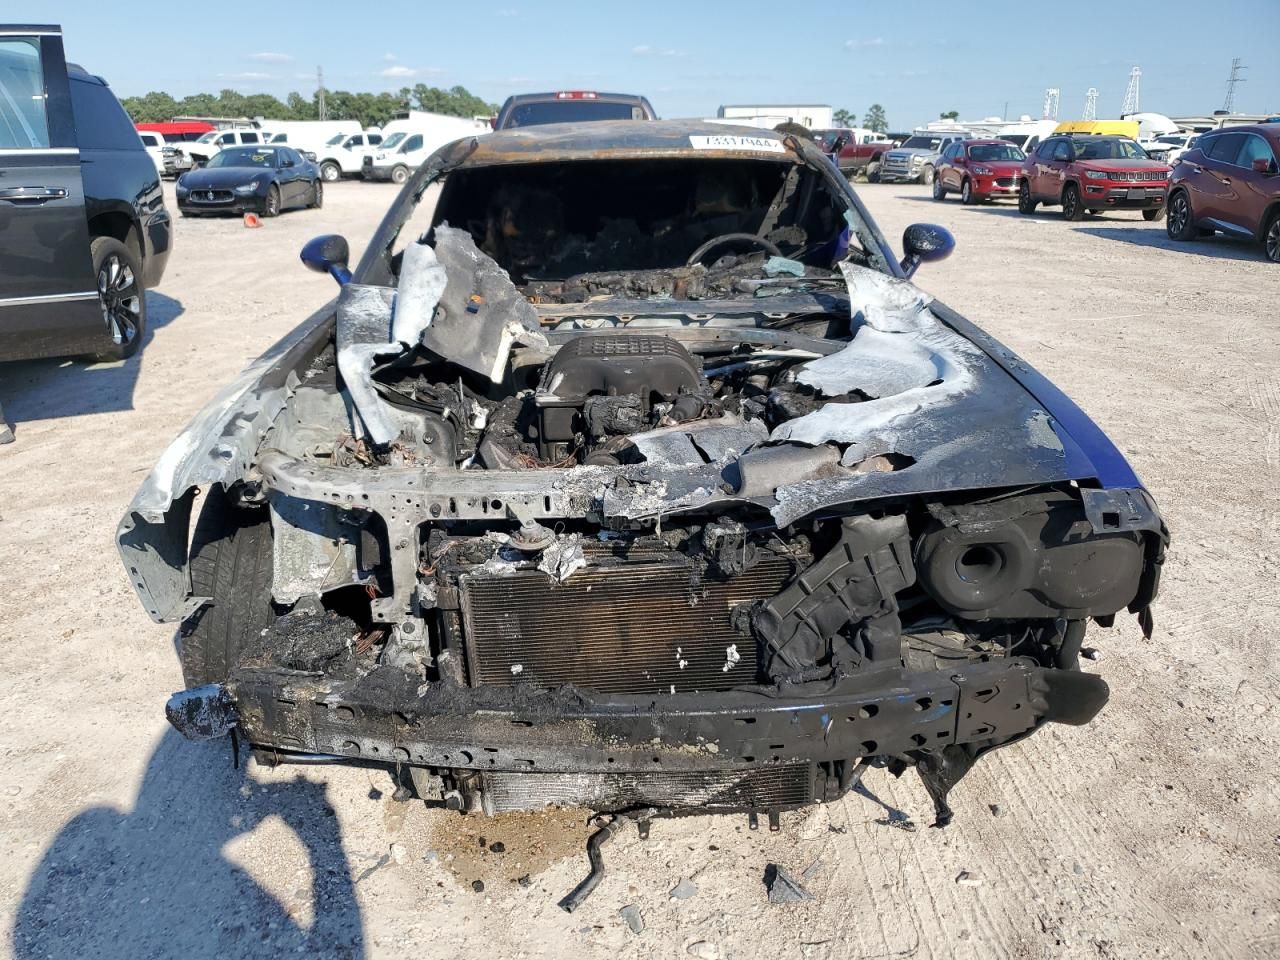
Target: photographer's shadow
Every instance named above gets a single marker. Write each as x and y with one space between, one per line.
154 881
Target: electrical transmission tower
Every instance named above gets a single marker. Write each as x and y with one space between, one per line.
1131 93
1091 104
320 106
1050 111
1236 67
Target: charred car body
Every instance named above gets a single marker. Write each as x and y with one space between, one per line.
637 474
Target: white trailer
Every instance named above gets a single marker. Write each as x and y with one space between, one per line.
815 116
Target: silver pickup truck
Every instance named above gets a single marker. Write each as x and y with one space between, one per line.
916 160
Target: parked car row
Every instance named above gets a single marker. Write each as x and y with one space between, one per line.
1225 181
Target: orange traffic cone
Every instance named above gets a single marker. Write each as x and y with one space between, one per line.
252 220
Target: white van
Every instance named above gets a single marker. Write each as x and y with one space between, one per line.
411 138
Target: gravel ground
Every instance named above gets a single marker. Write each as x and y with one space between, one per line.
1154 831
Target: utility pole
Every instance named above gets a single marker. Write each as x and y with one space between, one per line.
320 107
1131 93
1050 111
1090 104
1236 67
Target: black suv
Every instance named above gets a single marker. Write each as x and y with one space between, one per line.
83 226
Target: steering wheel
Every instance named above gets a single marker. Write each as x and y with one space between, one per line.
700 254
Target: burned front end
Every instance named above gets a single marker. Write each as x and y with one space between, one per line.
712 535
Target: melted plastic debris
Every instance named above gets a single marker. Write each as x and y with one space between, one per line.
422 283
563 558
731 658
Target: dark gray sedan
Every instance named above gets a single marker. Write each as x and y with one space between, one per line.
264 180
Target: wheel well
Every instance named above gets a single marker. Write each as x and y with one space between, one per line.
1268 215
1070 183
121 227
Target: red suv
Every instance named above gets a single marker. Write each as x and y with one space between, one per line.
1230 181
978 170
1089 172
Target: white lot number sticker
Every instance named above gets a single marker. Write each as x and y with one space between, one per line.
756 144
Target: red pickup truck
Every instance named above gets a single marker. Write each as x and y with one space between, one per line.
855 150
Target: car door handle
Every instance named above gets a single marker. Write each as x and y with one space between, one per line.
32 194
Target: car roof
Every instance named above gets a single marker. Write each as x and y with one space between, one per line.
558 95
994 141
1269 130
629 139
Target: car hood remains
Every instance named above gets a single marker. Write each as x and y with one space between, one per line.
939 407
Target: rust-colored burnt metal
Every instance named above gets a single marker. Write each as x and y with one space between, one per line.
636 628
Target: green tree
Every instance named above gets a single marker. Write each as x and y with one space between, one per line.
370 109
949 115
843 118
875 119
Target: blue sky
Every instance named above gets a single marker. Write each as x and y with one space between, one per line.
916 58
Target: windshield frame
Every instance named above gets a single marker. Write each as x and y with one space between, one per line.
1081 143
217 162
1019 154
375 267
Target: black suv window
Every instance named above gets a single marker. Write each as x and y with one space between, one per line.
1046 149
101 123
1061 150
1226 147
248 138
22 118
413 143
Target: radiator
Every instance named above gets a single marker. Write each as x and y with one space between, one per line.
629 628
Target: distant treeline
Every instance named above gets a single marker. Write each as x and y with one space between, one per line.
371 109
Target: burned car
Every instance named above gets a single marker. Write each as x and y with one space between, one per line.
634 473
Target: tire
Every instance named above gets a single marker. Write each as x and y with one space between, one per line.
873 171
927 175
330 171
966 193
317 195
118 275
399 174
1072 208
1271 238
1180 221
231 562
1025 203
271 208
1153 215
939 191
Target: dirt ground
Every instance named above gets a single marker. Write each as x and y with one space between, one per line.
1152 832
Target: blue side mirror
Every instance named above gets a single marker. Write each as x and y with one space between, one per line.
328 254
925 243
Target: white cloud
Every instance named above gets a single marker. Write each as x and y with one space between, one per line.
859 44
399 71
389 57
248 75
644 50
271 57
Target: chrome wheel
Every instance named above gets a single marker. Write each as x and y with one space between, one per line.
120 299
1273 240
966 192
331 172
273 203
